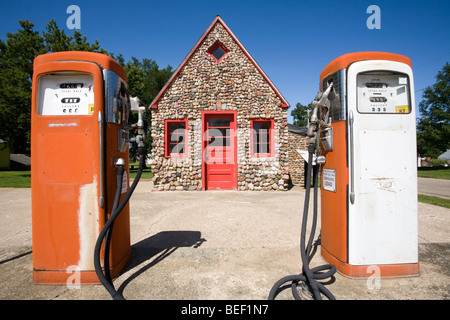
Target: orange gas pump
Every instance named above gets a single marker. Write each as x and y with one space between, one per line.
369 179
79 130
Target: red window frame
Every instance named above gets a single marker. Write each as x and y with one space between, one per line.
171 140
258 136
214 47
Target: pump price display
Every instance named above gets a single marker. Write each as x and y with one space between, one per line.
66 94
383 92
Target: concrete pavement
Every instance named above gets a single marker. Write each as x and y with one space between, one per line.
225 245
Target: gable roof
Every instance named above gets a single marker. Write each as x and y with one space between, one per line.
297 129
217 19
445 155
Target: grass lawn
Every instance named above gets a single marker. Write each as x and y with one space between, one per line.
434 172
15 179
22 179
146 173
435 201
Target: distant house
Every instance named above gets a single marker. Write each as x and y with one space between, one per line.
445 155
219 122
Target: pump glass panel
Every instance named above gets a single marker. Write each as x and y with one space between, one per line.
338 110
117 101
383 92
66 94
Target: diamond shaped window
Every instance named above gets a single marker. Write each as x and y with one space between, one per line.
218 51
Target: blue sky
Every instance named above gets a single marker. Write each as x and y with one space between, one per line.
292 41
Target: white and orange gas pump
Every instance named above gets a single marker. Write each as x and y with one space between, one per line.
79 141
363 141
369 180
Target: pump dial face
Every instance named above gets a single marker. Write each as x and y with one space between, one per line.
65 93
383 92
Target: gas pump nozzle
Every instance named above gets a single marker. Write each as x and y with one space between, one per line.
321 101
135 101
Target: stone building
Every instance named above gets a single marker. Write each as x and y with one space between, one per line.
219 122
298 141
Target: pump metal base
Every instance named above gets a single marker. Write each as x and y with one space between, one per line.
69 276
366 271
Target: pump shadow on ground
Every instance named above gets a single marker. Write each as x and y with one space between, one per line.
160 245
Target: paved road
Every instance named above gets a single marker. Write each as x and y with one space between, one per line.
434 187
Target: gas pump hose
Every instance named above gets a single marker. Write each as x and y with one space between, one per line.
308 276
106 232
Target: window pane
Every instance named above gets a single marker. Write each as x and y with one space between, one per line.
219 123
218 52
218 132
219 141
261 137
177 148
265 126
177 141
174 126
265 148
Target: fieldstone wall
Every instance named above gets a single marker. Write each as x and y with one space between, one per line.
296 161
232 84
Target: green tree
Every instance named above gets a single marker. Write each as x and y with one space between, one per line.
433 127
56 40
145 79
16 71
300 114
80 43
17 54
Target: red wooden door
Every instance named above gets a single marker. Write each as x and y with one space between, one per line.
219 153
